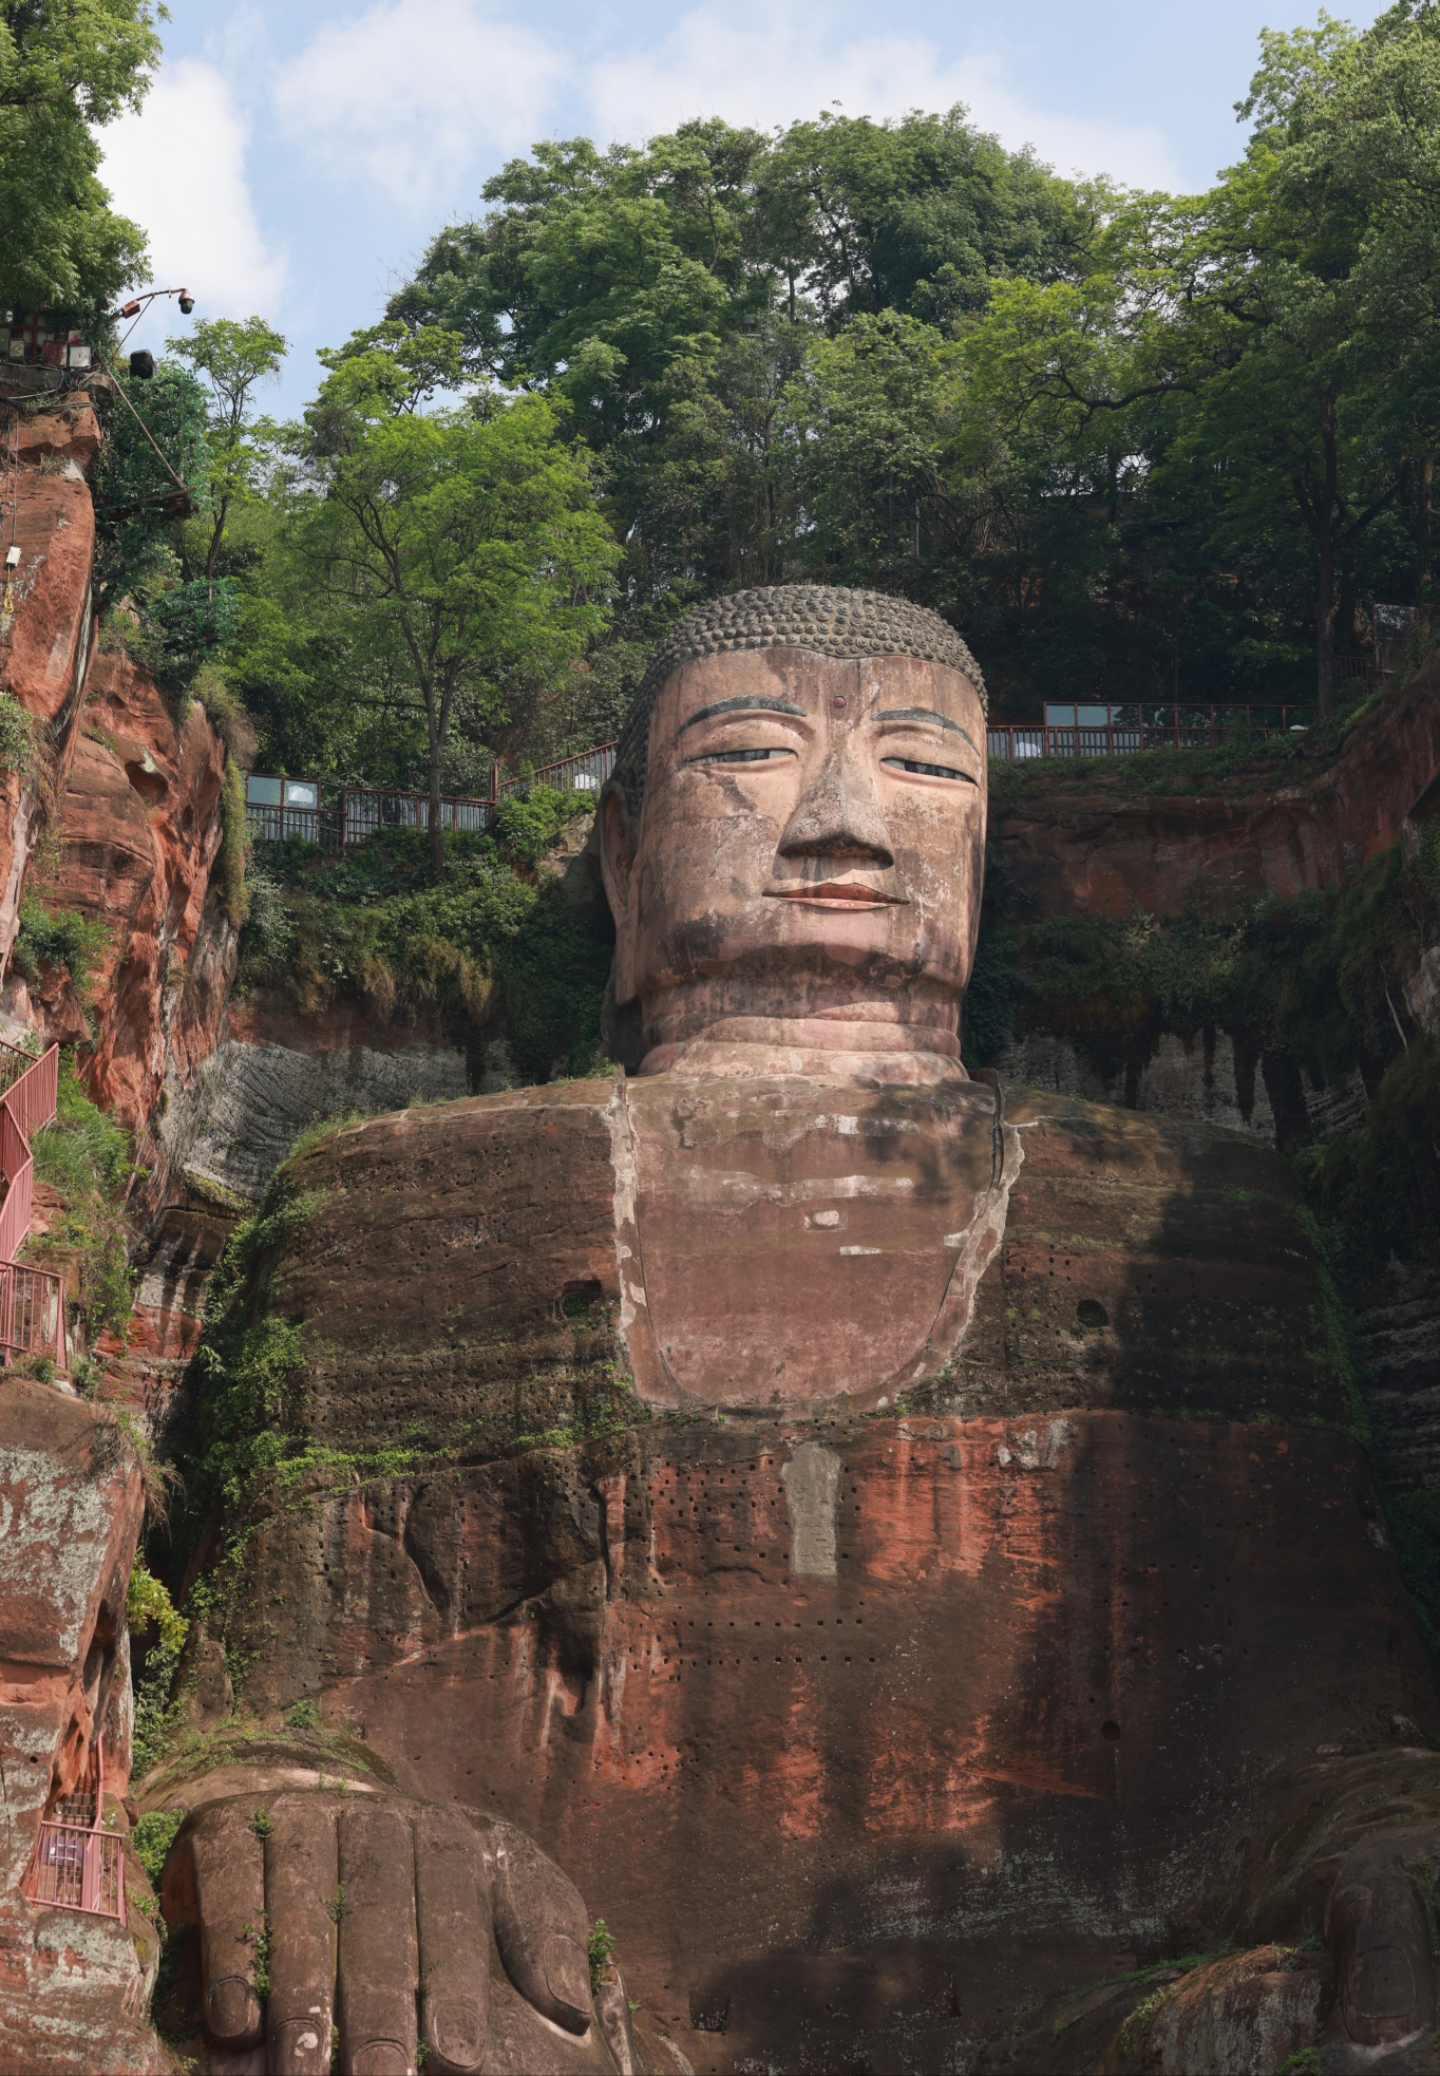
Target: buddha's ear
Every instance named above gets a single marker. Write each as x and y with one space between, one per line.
617 853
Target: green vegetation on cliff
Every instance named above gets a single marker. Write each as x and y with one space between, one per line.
497 948
88 1159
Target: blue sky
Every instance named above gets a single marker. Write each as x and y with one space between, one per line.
295 155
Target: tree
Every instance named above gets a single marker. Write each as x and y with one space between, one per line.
463 545
161 436
67 67
1288 316
233 358
672 294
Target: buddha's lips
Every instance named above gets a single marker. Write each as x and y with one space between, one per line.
837 893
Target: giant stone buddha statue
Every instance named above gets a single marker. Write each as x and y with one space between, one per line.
884 1533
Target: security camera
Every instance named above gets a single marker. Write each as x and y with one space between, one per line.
187 302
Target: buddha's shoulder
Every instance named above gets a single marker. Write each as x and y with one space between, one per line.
1093 1142
1162 1263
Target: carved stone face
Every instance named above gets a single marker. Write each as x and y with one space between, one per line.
810 844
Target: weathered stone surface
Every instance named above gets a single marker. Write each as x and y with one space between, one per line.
140 831
255 1095
1110 852
74 1989
1204 1076
46 626
487 1213
1398 1315
1033 1653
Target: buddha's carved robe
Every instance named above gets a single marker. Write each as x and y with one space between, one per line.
994 1530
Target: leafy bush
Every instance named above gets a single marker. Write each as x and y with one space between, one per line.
59 937
601 1949
88 1158
17 738
186 626
153 1837
146 1601
157 1709
492 947
234 846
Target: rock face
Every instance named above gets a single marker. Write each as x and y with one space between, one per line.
860 1730
74 1988
1108 852
275 1074
1206 1076
46 625
141 829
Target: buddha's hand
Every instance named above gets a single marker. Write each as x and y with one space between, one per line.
382 1922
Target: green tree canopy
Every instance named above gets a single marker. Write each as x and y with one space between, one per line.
233 358
67 67
462 546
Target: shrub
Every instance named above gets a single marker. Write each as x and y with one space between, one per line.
17 740
234 846
88 1158
59 937
153 1837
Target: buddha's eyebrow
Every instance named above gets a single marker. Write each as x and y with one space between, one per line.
923 713
747 702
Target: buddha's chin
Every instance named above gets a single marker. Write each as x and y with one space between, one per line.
801 934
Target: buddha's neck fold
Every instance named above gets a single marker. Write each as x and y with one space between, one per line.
910 1036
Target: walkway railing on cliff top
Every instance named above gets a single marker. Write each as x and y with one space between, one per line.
32 1301
337 816
1124 731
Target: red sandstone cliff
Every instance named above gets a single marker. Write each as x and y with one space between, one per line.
1108 851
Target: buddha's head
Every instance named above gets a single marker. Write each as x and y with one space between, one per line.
793 837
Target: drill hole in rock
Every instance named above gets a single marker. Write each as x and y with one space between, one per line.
1110 1732
1090 1312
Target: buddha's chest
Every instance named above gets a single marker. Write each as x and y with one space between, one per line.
784 1242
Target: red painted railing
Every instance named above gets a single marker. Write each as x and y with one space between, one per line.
343 815
79 1866
77 1869
32 1301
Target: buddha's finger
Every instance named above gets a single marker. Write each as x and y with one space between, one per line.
301 1884
230 1895
541 1929
452 1916
379 1967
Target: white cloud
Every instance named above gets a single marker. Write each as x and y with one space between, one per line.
773 66
178 168
417 97
413 92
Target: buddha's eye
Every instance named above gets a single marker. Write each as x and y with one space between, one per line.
928 770
741 756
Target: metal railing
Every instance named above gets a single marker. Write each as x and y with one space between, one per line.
1128 730
77 1868
350 814
32 1300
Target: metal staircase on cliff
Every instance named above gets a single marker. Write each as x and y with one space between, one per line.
32 1300
78 1864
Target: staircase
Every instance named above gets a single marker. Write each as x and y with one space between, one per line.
32 1301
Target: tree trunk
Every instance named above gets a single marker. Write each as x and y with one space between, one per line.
437 834
1326 686
1427 506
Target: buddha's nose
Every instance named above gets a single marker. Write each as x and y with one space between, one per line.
839 814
